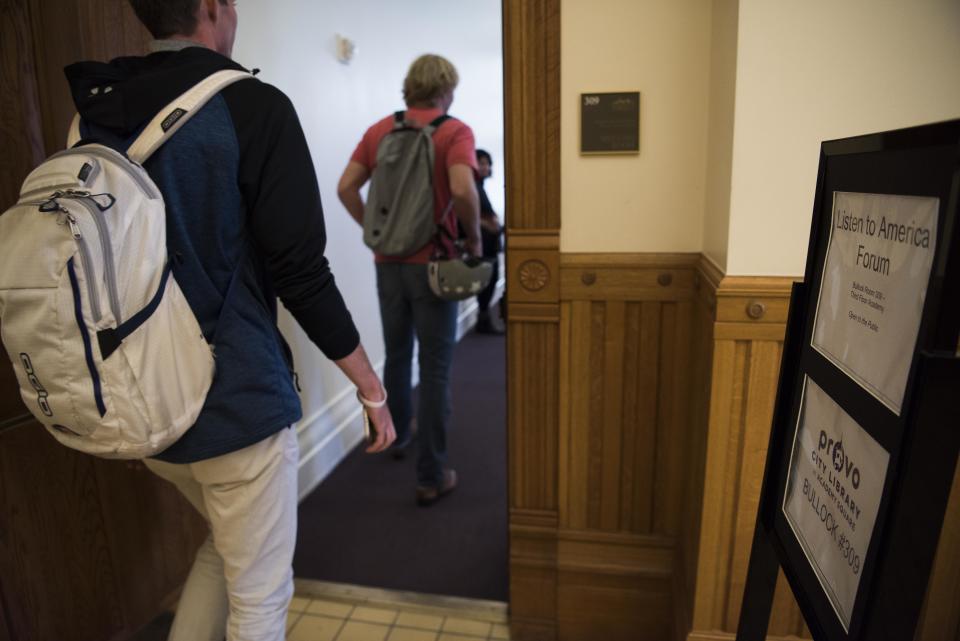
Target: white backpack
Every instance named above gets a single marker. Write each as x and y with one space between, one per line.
107 352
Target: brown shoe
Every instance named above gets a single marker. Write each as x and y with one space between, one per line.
429 494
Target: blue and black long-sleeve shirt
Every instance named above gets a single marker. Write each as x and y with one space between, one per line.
244 226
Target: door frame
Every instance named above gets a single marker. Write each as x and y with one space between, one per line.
531 45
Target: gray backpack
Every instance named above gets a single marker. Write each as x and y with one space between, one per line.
398 216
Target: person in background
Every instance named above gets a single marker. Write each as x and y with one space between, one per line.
244 226
490 232
408 307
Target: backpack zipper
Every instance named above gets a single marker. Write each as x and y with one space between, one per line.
71 183
86 261
110 273
87 343
119 159
96 213
30 197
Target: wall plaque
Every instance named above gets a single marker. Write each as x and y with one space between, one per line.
610 123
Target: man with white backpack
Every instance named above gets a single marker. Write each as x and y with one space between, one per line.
240 224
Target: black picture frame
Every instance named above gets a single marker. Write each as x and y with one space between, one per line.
922 440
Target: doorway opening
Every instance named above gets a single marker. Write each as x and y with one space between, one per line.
358 522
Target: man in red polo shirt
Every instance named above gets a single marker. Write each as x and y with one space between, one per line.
408 307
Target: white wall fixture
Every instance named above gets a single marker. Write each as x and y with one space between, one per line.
346 49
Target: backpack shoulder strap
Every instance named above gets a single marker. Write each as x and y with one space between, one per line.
400 122
73 136
435 124
439 120
179 111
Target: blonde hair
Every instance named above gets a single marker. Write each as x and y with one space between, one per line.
429 77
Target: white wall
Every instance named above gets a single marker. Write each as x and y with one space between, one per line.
723 81
816 70
736 97
652 202
292 42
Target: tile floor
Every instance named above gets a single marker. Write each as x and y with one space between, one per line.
336 612
323 611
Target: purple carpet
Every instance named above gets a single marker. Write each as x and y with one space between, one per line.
362 524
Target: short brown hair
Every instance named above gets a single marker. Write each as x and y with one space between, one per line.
165 18
429 77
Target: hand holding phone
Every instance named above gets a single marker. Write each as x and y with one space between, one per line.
370 428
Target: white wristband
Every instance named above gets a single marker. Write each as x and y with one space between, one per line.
372 404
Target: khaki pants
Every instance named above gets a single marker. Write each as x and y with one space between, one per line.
241 582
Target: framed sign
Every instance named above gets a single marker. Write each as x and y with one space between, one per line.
610 123
834 486
864 440
873 287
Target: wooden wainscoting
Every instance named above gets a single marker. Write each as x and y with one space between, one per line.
626 340
706 282
641 405
748 318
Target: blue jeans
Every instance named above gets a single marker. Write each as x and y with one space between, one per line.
408 308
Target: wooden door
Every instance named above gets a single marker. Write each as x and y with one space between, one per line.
89 549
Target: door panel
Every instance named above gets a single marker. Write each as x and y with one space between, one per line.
89 549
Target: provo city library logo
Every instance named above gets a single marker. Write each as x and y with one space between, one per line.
42 395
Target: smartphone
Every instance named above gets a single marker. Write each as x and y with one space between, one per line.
369 429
